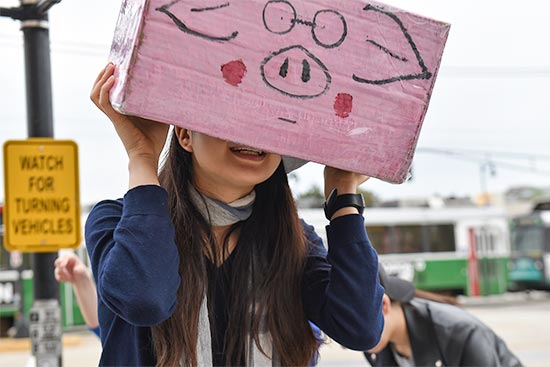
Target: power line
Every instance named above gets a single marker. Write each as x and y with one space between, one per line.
485 153
487 158
495 71
70 47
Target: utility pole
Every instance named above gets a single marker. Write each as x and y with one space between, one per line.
45 316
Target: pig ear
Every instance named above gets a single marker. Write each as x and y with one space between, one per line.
184 138
411 64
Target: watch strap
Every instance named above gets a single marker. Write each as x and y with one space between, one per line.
336 202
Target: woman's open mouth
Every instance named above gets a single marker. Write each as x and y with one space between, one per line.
248 151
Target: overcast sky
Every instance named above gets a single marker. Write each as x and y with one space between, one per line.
491 95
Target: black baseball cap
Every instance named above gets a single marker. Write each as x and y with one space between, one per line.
396 288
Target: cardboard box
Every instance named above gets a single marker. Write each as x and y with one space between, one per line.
343 83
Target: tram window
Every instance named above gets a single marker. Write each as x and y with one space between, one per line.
526 239
408 239
380 238
441 238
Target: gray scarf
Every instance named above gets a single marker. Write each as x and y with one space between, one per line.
218 213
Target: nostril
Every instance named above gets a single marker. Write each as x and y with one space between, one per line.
284 69
306 72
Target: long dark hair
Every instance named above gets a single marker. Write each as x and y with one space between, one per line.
269 257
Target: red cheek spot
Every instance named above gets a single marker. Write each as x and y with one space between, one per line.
343 104
233 72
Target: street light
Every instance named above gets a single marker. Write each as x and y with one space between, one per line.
44 5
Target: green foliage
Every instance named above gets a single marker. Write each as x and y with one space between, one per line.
371 199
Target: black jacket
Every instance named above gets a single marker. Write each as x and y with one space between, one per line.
445 335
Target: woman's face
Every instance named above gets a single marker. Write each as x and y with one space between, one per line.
225 170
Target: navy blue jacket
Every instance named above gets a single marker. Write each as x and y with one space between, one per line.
135 264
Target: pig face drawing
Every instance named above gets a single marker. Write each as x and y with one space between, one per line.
270 73
328 29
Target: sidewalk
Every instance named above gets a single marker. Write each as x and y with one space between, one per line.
80 348
519 318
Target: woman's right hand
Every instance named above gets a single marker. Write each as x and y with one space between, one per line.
143 139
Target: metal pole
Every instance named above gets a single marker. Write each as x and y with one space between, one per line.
39 124
38 77
46 309
483 182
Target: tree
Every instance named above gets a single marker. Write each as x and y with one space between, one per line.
312 198
371 199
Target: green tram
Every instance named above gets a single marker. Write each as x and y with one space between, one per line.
452 250
530 255
16 287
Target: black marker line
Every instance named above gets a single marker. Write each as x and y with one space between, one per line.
405 32
303 22
210 8
284 68
395 56
292 22
185 29
306 72
312 57
425 74
344 30
287 120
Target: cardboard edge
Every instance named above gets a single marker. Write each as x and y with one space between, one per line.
412 150
133 20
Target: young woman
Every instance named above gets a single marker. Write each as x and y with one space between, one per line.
207 262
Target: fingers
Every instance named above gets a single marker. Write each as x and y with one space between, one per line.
94 95
101 88
101 73
62 275
343 181
336 173
69 265
64 268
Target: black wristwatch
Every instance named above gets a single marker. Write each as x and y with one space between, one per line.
336 202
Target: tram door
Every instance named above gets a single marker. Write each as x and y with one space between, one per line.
490 274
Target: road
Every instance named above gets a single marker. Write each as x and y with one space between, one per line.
523 321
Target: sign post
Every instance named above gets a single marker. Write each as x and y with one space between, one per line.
45 331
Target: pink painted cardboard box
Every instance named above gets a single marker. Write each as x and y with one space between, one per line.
343 83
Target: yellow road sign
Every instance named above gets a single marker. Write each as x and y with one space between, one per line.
42 198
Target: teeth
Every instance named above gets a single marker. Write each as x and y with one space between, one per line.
247 150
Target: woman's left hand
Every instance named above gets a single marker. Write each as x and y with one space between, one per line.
344 181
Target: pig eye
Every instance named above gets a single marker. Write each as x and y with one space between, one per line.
279 16
329 28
